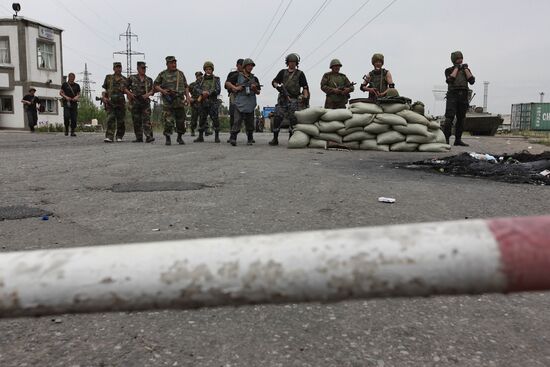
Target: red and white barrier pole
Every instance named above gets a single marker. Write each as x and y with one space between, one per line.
462 257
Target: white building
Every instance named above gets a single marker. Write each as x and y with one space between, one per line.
30 56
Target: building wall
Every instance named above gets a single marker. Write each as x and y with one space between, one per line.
10 31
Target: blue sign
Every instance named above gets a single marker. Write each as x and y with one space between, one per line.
267 110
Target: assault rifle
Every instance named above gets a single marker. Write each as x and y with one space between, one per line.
172 95
351 85
106 105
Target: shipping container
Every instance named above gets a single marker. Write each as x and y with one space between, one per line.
531 116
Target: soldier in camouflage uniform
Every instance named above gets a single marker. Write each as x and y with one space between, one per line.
231 94
293 94
336 86
171 83
378 81
140 88
193 103
115 104
209 89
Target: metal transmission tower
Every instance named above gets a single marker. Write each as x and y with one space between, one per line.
128 35
86 90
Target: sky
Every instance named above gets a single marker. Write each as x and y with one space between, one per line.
504 42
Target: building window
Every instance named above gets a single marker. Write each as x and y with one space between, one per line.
50 105
46 55
6 104
4 50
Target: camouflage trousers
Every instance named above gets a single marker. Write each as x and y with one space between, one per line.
141 117
194 117
173 117
286 109
115 122
333 103
209 109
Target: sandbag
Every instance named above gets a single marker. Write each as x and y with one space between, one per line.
339 114
434 147
390 119
433 124
439 136
370 144
330 137
358 136
403 146
390 137
344 132
310 130
361 107
359 120
394 107
330 127
309 115
376 128
351 145
421 139
413 117
317 144
298 140
412 129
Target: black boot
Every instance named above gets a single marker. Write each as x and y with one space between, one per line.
168 140
207 132
139 139
460 143
66 130
200 138
180 140
216 137
275 140
149 139
233 139
447 130
73 133
250 136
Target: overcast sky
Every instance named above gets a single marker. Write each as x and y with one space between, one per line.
504 42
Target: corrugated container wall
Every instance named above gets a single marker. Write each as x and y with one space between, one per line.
531 116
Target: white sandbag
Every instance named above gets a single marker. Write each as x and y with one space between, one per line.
361 107
359 120
433 124
376 128
412 129
358 136
390 137
394 107
344 132
354 145
421 139
309 115
309 129
370 144
390 119
403 146
330 137
339 114
298 140
317 144
434 147
413 117
330 127
439 136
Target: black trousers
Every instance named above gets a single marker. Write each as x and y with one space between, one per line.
457 105
70 115
32 118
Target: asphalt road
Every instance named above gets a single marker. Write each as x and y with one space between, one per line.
252 190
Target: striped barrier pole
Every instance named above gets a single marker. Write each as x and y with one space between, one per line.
461 257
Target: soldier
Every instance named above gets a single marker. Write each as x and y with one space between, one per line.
193 103
293 94
336 86
70 92
115 104
171 83
378 81
30 104
239 66
246 86
139 89
457 76
209 89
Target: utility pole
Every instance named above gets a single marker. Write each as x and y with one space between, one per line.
128 35
541 97
86 90
485 95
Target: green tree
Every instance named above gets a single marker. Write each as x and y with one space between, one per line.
87 111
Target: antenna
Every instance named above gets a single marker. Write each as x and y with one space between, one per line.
128 35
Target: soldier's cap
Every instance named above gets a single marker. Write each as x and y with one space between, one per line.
32 89
198 73
248 62
456 55
377 57
170 58
141 64
117 63
240 61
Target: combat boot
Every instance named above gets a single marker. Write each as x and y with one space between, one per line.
168 140
180 140
200 138
460 143
73 133
149 139
66 130
250 136
233 139
216 137
275 140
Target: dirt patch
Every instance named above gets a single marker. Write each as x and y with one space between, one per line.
157 186
21 212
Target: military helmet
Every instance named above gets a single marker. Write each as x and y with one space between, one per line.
208 64
248 61
418 107
456 55
392 92
377 57
292 58
335 62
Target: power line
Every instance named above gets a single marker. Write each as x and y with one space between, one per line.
321 44
86 57
98 16
129 53
274 29
267 28
354 34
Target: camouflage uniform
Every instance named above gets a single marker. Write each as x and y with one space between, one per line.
194 106
286 107
173 108
329 83
209 106
116 109
140 107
